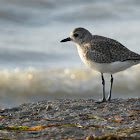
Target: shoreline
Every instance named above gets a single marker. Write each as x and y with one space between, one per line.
72 119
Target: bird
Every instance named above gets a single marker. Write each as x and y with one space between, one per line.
102 54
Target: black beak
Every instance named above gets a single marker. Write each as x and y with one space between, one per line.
65 40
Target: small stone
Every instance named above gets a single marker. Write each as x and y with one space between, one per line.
48 107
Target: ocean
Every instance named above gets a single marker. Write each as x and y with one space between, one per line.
35 66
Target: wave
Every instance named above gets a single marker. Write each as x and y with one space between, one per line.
25 85
69 81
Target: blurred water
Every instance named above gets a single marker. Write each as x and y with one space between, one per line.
34 65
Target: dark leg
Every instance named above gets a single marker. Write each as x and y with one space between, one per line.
103 83
109 97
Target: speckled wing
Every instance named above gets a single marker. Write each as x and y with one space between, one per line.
106 50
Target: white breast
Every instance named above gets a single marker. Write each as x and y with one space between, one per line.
81 54
106 67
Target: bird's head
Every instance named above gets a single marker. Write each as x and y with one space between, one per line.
79 36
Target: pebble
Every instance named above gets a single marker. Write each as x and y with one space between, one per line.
72 119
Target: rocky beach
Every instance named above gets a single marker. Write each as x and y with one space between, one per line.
75 119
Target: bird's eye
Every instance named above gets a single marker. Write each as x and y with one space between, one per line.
75 35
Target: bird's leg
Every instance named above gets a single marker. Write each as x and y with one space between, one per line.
103 83
109 97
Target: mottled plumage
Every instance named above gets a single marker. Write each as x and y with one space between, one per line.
105 50
102 54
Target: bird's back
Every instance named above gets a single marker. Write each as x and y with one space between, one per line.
106 50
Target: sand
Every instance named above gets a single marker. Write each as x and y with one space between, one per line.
72 119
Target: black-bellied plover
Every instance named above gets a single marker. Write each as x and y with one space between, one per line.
103 54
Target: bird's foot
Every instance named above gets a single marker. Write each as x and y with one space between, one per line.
101 101
109 99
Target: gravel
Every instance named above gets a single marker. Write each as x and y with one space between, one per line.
71 119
